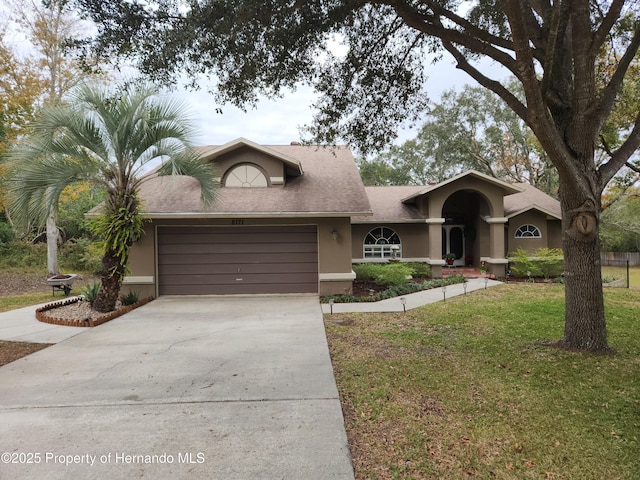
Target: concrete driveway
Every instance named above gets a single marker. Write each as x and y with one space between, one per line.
197 388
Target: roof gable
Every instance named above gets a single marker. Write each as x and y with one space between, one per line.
293 166
529 198
507 188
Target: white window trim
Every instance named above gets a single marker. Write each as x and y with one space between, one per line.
382 250
258 178
539 232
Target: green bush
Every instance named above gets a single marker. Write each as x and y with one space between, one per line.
544 262
421 270
81 255
23 254
396 290
91 291
130 298
386 274
6 233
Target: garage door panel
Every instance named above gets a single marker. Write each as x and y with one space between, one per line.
237 248
238 279
237 260
234 268
245 259
237 238
243 289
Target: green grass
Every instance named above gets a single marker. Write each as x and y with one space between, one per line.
19 301
621 273
472 388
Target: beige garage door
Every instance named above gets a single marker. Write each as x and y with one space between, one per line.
237 260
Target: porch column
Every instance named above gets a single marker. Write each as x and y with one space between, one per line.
435 246
496 262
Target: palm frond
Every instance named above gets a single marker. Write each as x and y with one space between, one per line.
107 138
35 186
191 164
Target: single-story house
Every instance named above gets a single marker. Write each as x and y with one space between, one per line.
294 218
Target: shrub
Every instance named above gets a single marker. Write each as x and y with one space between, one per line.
550 261
6 233
82 255
130 298
421 270
544 262
386 274
90 292
397 290
23 254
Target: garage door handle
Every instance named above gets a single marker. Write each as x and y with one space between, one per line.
239 279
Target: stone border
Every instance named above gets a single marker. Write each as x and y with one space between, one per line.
42 317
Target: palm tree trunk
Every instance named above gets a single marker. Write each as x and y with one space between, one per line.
111 278
53 236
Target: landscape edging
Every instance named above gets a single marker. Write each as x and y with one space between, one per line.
42 317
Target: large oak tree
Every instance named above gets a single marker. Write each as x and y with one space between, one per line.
553 49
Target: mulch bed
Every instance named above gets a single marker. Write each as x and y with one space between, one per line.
10 351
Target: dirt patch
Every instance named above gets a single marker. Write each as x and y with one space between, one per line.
33 282
10 351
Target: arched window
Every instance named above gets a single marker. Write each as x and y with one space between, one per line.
245 175
382 242
528 231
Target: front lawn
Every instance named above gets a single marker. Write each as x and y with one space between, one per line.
472 388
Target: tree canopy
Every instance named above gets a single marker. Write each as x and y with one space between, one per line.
368 61
466 129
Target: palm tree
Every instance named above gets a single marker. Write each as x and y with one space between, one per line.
108 139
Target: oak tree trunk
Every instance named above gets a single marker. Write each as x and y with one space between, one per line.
585 327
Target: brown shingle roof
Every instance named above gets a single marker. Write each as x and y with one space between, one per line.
386 203
329 186
531 197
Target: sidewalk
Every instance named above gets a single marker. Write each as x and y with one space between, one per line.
413 300
20 325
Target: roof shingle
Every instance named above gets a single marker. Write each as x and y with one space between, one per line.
330 185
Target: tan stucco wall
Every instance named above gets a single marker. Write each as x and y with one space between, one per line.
554 233
532 217
273 167
493 205
414 238
334 256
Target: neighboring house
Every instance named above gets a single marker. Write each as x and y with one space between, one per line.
293 219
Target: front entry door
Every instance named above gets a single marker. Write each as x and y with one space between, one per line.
453 242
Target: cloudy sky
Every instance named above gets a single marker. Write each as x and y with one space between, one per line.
278 122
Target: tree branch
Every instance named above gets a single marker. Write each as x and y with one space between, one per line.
607 24
496 87
467 26
538 117
632 167
608 95
431 25
552 64
621 156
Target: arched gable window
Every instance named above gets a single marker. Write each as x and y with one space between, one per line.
382 242
528 231
245 175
